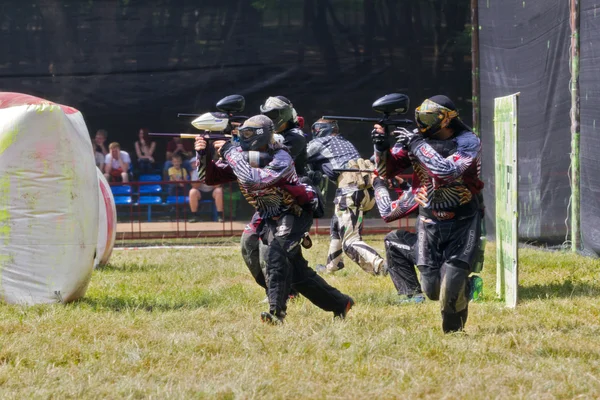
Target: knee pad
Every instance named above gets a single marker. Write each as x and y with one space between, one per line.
453 288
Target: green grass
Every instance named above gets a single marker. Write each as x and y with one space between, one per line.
167 323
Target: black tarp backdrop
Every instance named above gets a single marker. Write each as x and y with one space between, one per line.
589 82
524 47
137 63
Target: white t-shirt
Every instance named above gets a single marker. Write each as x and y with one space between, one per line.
115 163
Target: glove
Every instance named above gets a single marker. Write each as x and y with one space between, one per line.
257 159
405 138
380 141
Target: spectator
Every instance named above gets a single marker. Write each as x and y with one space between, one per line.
100 142
116 168
178 174
99 158
184 148
201 190
144 149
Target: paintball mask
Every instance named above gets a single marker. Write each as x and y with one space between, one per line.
256 133
434 114
324 128
280 110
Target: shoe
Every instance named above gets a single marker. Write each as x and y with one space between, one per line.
383 269
475 288
417 298
220 219
271 318
264 301
193 220
342 314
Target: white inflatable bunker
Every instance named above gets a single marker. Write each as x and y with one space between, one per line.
107 222
48 201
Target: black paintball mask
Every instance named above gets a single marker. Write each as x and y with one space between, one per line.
324 128
256 133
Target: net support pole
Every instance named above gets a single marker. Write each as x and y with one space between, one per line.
575 128
475 64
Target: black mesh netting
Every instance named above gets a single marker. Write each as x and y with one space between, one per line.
589 81
525 48
137 63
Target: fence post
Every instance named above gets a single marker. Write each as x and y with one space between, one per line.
475 64
575 134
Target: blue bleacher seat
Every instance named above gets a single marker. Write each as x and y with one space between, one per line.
150 189
150 178
150 201
122 200
120 190
177 200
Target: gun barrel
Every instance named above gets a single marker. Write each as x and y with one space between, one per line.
193 135
187 115
351 119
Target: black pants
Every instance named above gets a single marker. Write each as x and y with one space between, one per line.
400 254
250 250
446 252
286 268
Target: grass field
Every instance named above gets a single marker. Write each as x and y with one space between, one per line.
168 323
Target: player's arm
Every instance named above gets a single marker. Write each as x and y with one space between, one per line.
280 166
447 169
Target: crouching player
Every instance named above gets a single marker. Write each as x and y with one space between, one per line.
277 195
448 226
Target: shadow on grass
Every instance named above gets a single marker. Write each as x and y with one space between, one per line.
564 289
121 304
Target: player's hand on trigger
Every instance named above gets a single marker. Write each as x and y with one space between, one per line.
199 143
379 138
421 197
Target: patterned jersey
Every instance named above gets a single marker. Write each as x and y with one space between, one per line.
272 190
330 152
391 210
450 181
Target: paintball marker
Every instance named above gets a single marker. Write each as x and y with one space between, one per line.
206 136
388 105
224 120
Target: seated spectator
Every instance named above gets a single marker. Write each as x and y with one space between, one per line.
99 158
100 141
178 174
201 190
116 168
185 148
144 149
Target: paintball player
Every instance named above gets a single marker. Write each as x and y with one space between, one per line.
277 194
400 244
449 224
329 151
285 120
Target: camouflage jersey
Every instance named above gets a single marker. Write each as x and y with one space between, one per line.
451 182
272 190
